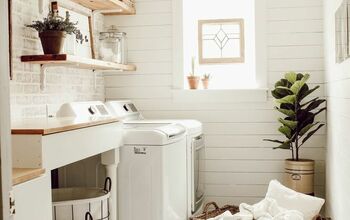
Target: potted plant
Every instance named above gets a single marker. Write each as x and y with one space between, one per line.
298 125
52 31
205 81
193 80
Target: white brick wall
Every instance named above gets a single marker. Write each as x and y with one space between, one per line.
63 84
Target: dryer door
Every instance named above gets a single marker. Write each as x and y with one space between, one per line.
197 185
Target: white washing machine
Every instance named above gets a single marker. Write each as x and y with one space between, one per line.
127 111
152 173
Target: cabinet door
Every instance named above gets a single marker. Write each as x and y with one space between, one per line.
5 128
33 199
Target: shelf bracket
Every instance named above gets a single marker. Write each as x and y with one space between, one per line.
43 68
43 72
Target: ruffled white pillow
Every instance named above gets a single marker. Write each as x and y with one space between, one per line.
289 199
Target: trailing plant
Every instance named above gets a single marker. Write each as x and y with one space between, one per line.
298 124
54 22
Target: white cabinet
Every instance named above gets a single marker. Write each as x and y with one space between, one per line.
33 199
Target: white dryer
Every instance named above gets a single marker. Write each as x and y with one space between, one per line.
127 111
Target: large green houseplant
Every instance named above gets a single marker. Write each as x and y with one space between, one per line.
298 124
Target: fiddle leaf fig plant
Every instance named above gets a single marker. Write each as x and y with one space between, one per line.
298 122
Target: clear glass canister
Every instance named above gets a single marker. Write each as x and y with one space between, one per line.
113 46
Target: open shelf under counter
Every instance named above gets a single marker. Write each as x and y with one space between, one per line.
109 7
51 60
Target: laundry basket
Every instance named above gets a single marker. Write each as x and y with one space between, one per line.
75 203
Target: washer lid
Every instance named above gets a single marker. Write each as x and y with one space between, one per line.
192 126
137 134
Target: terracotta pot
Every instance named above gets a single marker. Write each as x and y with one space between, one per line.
299 175
193 81
205 83
52 41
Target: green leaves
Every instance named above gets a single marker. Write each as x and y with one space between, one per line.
291 77
289 99
287 112
289 123
286 131
296 87
299 118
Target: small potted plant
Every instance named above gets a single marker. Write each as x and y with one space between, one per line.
52 32
298 125
193 81
205 81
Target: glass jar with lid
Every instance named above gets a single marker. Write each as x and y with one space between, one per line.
113 46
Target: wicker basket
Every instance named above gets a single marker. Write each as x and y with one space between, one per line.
206 214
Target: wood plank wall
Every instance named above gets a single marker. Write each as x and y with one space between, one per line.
239 164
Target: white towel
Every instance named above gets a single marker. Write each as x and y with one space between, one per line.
267 209
222 216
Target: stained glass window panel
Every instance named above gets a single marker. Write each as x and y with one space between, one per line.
221 41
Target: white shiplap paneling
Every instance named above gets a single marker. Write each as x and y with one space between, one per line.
238 163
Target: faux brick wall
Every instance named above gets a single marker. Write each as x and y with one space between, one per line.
63 84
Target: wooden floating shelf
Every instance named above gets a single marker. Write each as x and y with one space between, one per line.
109 7
75 61
52 60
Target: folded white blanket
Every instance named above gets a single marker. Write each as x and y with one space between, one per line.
267 209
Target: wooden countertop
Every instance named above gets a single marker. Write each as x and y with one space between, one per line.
21 175
46 126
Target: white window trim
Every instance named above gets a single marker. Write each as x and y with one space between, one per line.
249 95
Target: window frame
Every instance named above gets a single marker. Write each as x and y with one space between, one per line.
239 59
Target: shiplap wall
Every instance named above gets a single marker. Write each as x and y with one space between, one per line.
239 164
338 117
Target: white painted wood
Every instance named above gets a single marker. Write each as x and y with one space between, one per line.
230 178
252 166
234 129
255 141
138 80
57 150
5 125
282 52
219 96
295 26
138 92
261 43
295 39
303 13
294 3
33 199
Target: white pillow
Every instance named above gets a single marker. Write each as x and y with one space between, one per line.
289 199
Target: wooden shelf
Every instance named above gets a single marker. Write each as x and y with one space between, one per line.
75 61
109 7
51 60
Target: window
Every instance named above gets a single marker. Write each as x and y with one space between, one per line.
221 41
239 63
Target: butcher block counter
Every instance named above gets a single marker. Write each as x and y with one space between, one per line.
21 175
50 143
46 126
